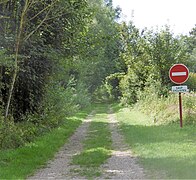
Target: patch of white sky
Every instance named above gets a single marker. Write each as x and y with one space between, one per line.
180 15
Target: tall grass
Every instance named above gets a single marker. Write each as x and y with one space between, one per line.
164 110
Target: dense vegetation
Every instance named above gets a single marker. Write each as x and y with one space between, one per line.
57 56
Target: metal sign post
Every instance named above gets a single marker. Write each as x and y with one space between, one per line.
179 74
180 108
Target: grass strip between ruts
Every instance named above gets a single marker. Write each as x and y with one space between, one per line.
97 146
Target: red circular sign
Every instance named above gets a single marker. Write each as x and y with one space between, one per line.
178 73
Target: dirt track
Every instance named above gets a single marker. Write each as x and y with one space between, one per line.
121 165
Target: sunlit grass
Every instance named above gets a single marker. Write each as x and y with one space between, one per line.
97 146
22 162
167 151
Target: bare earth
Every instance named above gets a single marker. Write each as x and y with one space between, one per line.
122 164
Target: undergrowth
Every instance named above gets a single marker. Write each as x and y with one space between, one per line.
164 110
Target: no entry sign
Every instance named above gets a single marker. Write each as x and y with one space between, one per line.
178 73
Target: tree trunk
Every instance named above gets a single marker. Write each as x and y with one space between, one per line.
18 42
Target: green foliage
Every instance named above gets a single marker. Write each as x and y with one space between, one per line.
129 88
132 57
72 52
192 61
147 57
14 135
35 33
112 85
10 135
100 45
60 101
190 108
5 59
55 68
109 91
82 97
165 50
191 83
165 110
102 94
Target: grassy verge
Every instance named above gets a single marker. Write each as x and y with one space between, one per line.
97 146
21 162
166 151
164 110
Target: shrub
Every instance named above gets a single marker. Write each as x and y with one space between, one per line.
189 103
129 86
112 85
191 83
10 135
82 97
101 94
59 102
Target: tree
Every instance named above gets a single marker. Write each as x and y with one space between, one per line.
165 50
32 26
190 41
147 57
99 53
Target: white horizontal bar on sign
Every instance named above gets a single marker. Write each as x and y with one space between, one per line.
179 74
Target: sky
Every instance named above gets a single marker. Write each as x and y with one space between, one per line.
179 14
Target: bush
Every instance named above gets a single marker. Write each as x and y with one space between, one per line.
59 102
191 83
10 135
101 94
129 87
112 85
189 104
13 135
164 110
82 97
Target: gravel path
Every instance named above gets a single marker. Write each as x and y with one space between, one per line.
59 167
122 164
